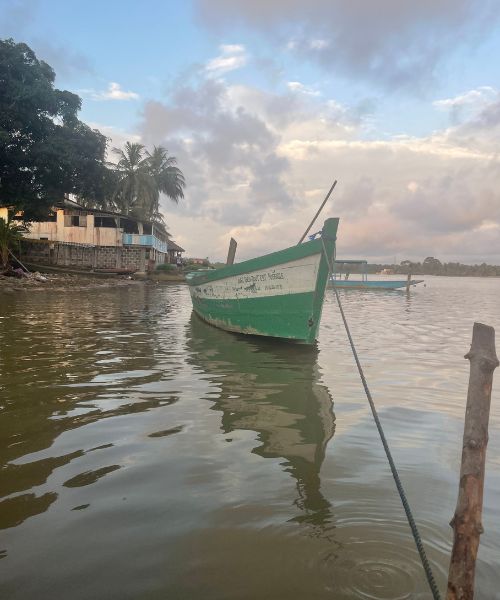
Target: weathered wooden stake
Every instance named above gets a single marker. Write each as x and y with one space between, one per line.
466 522
232 252
408 282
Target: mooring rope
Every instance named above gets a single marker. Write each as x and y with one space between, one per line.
395 474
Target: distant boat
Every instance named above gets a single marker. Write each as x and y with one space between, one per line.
342 281
277 295
387 284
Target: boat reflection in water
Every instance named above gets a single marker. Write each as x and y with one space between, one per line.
274 389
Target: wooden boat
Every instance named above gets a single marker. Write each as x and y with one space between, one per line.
342 281
277 295
386 284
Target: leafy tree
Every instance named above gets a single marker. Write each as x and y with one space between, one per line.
10 236
102 196
45 151
432 265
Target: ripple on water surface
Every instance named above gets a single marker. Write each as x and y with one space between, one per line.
145 454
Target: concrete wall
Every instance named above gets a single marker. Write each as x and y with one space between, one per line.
45 229
89 234
84 257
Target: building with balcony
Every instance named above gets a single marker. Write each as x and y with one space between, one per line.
89 238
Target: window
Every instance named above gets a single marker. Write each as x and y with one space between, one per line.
129 226
75 220
105 222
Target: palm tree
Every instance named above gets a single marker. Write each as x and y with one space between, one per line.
141 178
135 189
168 178
10 236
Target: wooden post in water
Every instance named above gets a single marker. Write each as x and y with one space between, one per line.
466 522
408 282
232 252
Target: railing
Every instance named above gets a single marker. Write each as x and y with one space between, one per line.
136 239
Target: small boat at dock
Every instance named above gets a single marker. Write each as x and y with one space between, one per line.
278 295
374 285
340 278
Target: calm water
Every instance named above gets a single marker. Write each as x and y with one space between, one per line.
147 455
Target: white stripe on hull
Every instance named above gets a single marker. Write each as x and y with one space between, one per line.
294 277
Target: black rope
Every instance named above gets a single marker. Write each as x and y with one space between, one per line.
395 474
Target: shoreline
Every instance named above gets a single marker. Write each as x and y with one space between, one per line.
52 281
60 282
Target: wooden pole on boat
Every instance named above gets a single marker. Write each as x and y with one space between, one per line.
317 214
466 522
232 251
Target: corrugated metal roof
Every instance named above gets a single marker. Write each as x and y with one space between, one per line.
173 246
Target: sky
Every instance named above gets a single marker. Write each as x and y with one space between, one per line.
265 103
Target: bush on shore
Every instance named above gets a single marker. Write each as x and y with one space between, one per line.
166 268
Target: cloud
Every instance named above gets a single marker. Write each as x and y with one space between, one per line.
258 165
17 16
114 92
116 137
296 86
65 61
468 104
477 130
226 150
319 44
392 43
17 20
482 95
232 57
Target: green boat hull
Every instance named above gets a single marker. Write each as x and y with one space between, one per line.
278 295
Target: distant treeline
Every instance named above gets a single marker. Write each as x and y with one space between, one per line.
430 266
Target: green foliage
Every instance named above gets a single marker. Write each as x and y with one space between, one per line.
45 151
134 185
166 267
168 178
140 178
10 236
433 266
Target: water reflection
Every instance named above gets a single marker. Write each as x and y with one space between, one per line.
275 390
65 367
